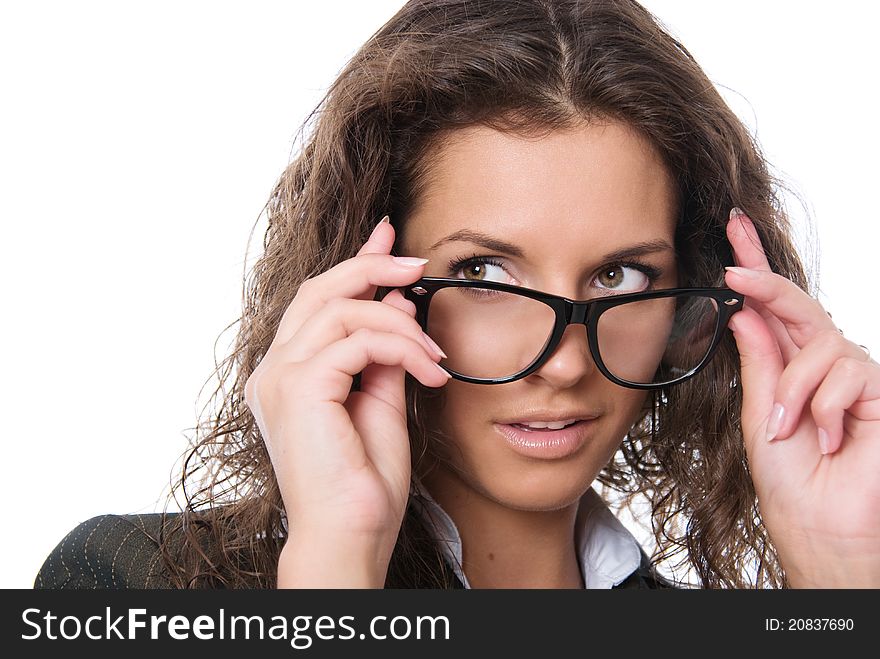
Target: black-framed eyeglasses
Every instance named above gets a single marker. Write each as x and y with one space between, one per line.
494 333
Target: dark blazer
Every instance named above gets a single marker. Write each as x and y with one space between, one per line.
122 551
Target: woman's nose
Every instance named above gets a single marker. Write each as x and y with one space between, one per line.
570 361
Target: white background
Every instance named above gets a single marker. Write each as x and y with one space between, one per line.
139 142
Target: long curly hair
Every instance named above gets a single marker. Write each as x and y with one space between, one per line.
515 65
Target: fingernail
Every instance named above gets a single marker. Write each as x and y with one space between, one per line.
443 371
409 261
736 212
385 219
743 272
775 422
823 442
433 345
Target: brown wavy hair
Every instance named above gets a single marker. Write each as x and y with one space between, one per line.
522 66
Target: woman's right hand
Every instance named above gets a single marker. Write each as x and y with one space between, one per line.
341 459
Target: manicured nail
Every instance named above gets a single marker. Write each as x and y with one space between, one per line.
823 441
443 371
736 212
743 272
433 345
409 261
385 219
775 423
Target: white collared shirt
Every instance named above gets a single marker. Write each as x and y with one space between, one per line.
607 551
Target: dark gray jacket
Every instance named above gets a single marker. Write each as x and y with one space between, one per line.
122 551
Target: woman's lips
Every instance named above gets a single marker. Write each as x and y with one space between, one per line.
526 426
545 443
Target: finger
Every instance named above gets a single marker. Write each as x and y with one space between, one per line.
748 252
804 374
341 317
330 372
761 365
386 382
747 248
354 278
802 316
852 386
381 240
395 299
386 449
787 347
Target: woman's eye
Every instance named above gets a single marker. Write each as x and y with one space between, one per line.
481 270
623 278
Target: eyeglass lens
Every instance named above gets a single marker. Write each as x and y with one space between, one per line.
494 334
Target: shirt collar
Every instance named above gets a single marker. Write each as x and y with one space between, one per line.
607 551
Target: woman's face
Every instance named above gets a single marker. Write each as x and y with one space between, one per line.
564 201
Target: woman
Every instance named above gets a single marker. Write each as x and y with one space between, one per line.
570 132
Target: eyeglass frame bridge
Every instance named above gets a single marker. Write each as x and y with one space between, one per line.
575 312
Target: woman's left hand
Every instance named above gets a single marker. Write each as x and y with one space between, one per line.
818 395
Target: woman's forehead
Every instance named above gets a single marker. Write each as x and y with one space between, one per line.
597 180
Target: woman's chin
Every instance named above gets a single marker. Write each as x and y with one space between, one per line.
534 492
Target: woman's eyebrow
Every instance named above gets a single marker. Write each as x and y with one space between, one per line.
482 239
497 245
